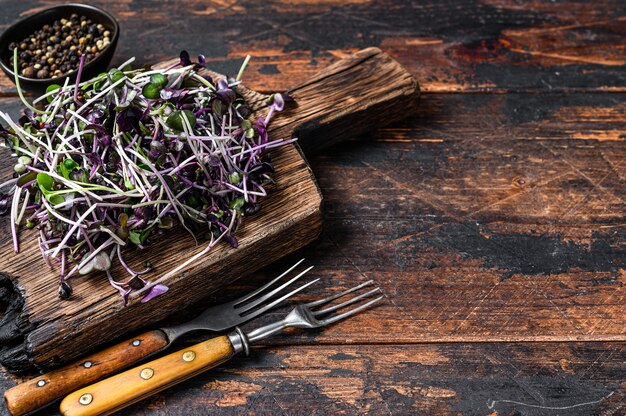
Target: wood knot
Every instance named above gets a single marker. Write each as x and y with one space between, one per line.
520 182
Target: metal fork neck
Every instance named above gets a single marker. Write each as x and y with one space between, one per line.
267 331
239 341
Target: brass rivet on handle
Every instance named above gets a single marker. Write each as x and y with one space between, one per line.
146 373
85 399
189 356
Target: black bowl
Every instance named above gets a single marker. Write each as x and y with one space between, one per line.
20 30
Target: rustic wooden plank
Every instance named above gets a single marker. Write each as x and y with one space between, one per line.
447 45
485 218
438 379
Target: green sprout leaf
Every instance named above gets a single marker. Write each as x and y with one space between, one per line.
67 167
139 236
175 120
234 178
151 91
219 108
51 88
237 203
24 179
159 79
55 199
45 182
116 75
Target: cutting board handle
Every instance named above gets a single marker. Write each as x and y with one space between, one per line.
349 98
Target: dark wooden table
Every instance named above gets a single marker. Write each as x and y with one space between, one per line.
494 220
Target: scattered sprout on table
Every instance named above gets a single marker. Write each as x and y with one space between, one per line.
105 165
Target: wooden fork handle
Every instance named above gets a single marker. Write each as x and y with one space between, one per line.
44 389
131 386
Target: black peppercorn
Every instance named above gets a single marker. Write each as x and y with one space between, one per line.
29 72
56 48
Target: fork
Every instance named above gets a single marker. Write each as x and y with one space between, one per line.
43 390
131 386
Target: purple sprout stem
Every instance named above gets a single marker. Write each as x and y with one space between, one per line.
126 266
80 72
188 182
116 285
132 142
27 184
202 110
123 263
190 260
87 239
109 219
269 115
43 254
268 145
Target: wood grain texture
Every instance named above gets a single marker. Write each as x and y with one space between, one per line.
436 379
130 386
58 332
451 45
40 391
574 378
494 220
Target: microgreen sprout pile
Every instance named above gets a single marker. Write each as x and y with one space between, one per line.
107 164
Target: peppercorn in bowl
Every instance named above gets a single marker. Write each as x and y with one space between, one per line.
50 45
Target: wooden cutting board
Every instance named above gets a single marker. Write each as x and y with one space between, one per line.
351 97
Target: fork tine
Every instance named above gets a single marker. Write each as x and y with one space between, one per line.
279 300
346 303
338 295
267 296
265 286
350 312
